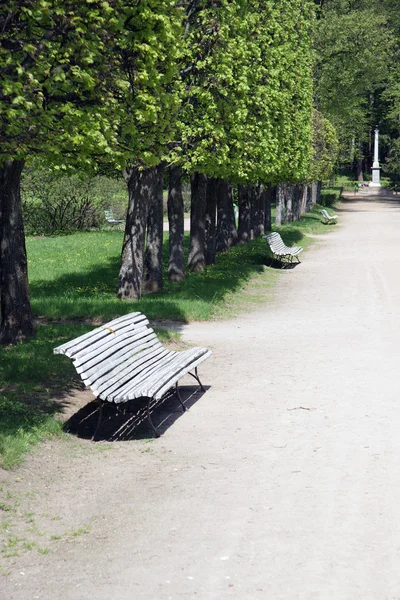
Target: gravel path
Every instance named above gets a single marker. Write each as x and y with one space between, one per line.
281 482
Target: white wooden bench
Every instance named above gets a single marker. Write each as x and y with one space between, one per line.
124 360
328 219
280 251
110 218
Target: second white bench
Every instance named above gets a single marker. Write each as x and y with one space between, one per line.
279 249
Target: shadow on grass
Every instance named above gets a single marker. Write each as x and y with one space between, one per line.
92 294
34 387
129 421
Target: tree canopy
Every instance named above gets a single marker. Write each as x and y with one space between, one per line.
356 71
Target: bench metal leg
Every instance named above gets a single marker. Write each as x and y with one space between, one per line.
101 405
178 395
197 378
154 430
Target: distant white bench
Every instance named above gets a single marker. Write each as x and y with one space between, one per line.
280 251
328 219
111 219
124 360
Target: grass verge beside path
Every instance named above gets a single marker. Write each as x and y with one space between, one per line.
73 279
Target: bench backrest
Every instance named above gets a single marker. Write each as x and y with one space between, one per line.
325 214
104 355
275 242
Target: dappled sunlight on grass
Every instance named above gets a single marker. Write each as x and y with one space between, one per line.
79 280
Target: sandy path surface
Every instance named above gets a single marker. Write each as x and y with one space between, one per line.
282 481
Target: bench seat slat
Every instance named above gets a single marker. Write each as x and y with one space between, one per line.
103 370
123 343
74 346
182 368
125 374
146 373
88 352
163 376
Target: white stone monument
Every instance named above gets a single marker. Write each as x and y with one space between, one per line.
376 169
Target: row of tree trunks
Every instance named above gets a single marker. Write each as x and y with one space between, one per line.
212 223
212 220
295 199
16 316
254 210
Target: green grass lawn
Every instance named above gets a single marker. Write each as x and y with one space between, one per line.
73 282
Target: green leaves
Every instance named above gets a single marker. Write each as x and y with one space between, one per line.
354 47
224 88
55 69
247 99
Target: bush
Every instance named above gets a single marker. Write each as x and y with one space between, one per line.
54 204
328 198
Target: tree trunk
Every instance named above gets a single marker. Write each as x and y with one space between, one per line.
269 195
16 316
359 169
131 272
280 204
298 190
314 193
226 225
197 259
244 201
309 200
176 217
209 220
289 202
153 257
305 192
258 209
319 190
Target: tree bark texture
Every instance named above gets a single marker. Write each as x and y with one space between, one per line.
319 190
176 217
210 220
306 199
269 194
309 198
297 200
16 316
131 271
197 259
153 257
280 204
257 210
226 226
359 169
314 193
244 202
289 194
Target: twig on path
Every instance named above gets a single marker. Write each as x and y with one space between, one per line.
301 408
